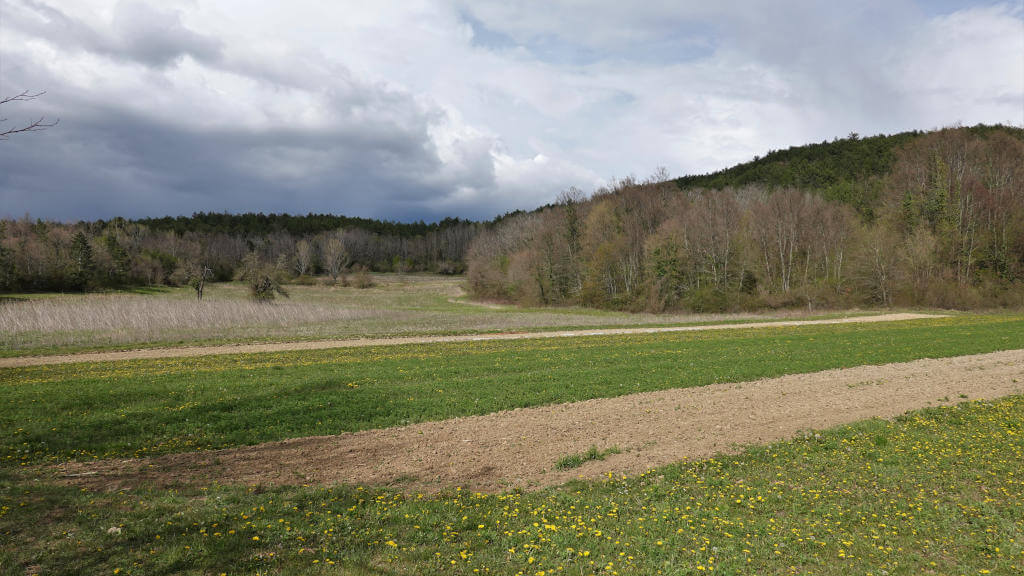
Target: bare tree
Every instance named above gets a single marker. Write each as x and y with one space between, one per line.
336 255
660 174
711 225
35 126
878 263
303 257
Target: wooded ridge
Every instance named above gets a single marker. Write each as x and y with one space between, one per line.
933 219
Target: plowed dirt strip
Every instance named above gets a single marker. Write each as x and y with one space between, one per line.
519 448
356 343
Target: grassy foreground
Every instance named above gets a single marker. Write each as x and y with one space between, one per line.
940 491
139 408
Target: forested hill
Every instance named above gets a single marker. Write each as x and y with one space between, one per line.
814 166
916 219
843 169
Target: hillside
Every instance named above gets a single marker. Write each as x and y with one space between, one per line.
918 218
845 169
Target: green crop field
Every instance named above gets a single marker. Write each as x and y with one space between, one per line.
159 406
937 491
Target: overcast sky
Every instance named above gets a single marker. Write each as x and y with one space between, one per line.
410 109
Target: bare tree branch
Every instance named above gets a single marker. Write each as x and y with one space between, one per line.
21 97
35 126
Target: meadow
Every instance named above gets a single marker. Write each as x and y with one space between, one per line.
935 491
396 305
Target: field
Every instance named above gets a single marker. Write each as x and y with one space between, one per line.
937 491
152 407
626 454
397 305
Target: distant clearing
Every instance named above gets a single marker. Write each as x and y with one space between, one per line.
397 305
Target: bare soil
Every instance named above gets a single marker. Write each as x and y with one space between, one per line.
153 353
519 448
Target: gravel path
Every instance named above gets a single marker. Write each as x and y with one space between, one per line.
519 448
355 343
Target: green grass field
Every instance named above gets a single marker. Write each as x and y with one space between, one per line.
158 406
939 491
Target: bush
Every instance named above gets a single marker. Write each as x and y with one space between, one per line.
748 282
708 300
362 278
265 281
263 289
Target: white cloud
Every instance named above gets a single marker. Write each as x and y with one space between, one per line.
966 64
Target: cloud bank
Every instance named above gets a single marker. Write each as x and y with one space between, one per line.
420 110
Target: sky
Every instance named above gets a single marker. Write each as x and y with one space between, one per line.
413 109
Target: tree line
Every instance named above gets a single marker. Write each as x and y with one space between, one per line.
39 255
936 219
252 224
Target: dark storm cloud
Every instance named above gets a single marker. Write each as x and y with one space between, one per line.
370 153
131 166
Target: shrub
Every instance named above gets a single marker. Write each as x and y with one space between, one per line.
265 281
362 278
708 300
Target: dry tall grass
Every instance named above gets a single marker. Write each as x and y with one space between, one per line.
126 318
396 305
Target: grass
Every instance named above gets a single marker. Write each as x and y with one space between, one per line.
576 460
139 408
34 324
939 491
148 318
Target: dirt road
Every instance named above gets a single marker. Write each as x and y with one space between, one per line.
355 343
519 448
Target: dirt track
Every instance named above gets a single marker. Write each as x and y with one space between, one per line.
355 343
519 448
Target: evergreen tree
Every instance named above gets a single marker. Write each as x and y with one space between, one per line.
7 273
908 212
83 268
937 200
119 259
